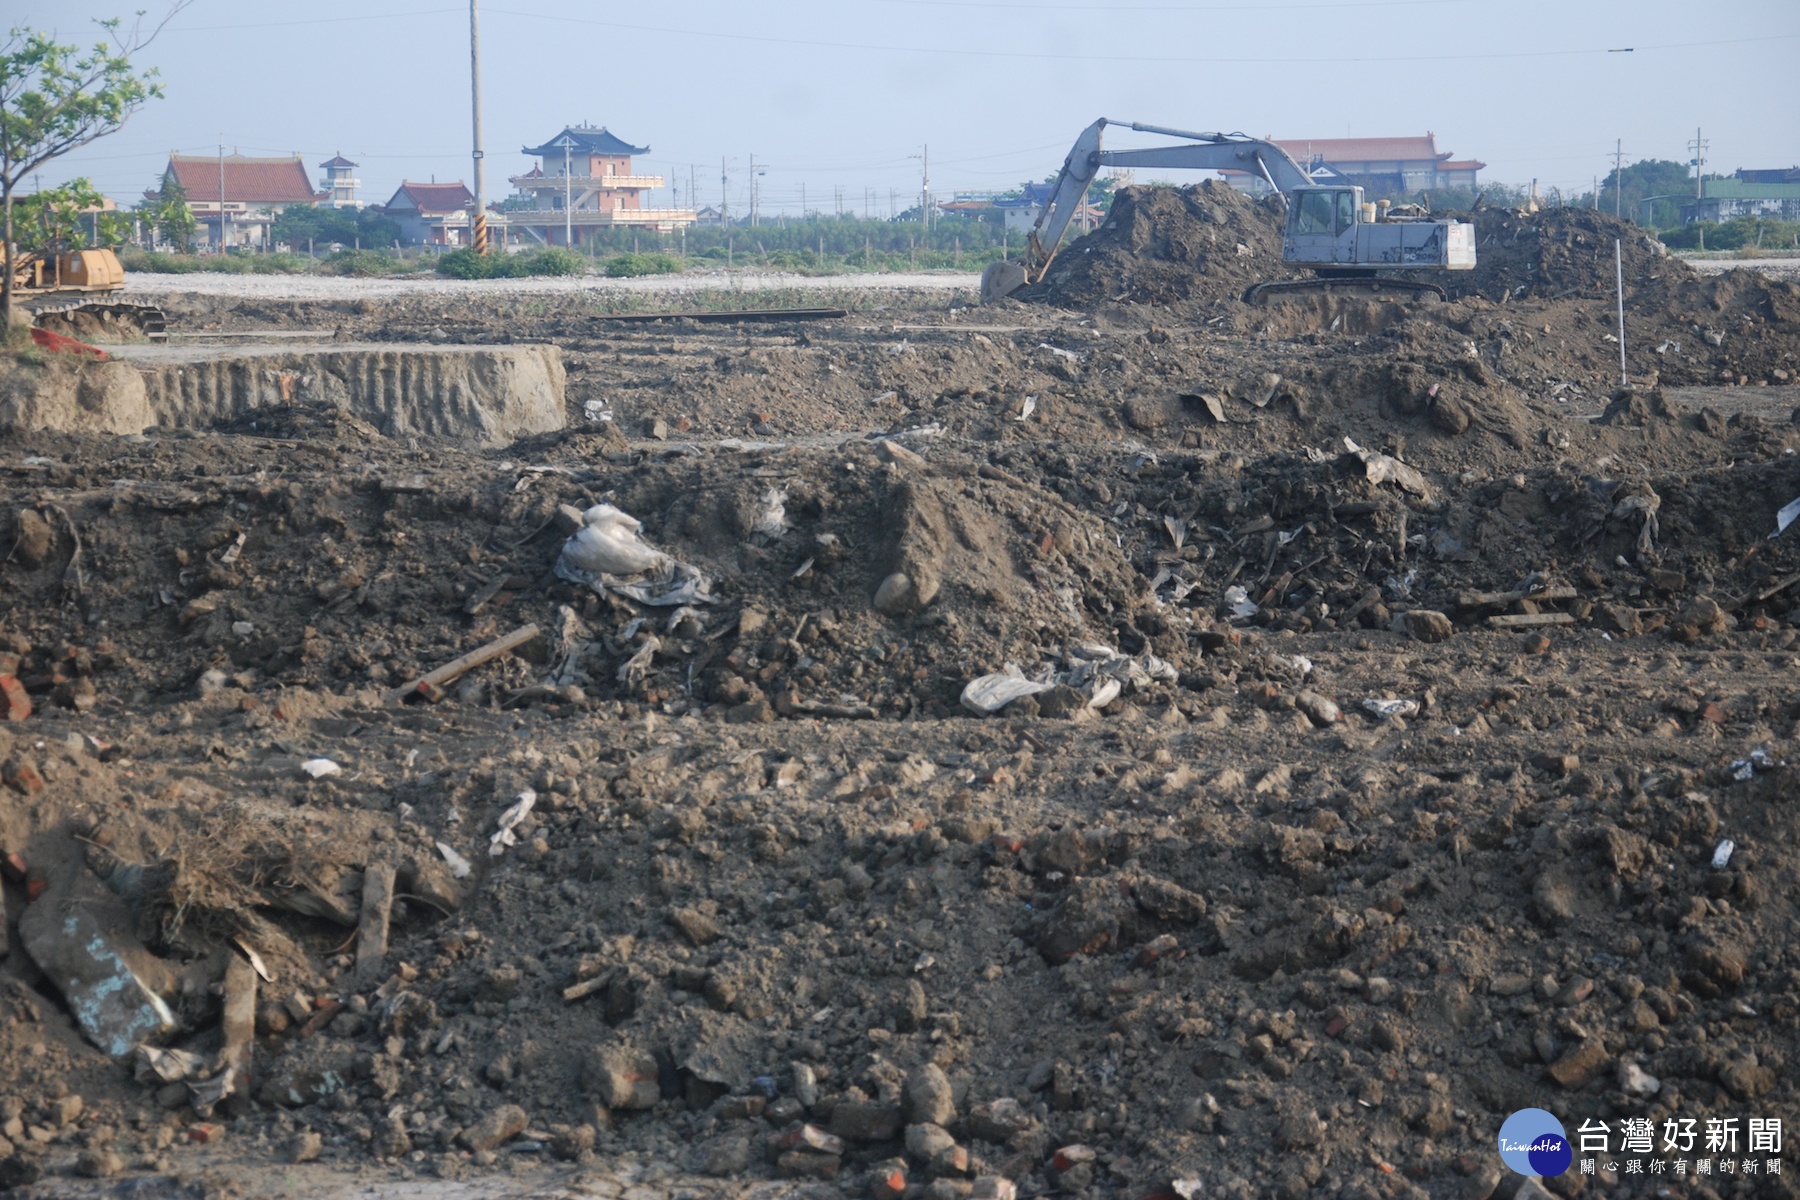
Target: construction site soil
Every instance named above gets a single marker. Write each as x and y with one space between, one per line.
1402 739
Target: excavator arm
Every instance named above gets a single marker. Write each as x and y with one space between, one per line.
1203 152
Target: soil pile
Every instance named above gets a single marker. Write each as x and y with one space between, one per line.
1161 245
1559 253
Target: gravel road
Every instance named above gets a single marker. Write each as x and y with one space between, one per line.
323 287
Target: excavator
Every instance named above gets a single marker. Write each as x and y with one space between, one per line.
1352 246
77 288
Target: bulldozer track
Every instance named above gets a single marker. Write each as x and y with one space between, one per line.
148 318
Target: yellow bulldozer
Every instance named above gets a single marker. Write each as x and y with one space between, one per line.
76 292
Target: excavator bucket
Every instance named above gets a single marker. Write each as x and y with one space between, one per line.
1000 280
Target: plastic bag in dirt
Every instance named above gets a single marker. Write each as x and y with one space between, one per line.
771 516
1239 604
1786 516
989 694
509 821
1384 468
1386 710
607 555
608 544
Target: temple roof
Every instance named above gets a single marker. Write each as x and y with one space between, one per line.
588 140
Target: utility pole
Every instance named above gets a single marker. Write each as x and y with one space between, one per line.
221 193
753 189
1698 146
478 218
1618 176
568 145
924 158
724 193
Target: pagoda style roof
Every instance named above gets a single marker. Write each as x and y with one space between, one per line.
588 140
338 161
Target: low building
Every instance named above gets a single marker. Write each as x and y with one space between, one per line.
584 183
1759 193
340 182
432 214
236 198
1381 166
1019 213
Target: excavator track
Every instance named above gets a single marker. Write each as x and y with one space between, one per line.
147 319
1374 287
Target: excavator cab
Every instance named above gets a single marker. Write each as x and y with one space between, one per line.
1321 226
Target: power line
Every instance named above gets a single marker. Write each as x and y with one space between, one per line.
1073 56
1169 8
424 12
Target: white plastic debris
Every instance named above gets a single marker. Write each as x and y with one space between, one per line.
320 768
1635 1081
1389 709
771 518
1744 769
1068 355
459 866
1384 468
930 429
634 669
1239 604
509 821
1026 409
1105 692
1786 516
989 694
163 1064
607 555
1722 854
596 410
256 960
608 544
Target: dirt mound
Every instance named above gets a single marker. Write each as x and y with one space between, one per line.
1559 253
1163 245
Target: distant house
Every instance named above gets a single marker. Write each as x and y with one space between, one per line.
586 183
432 214
1381 166
1760 193
1020 213
248 192
340 181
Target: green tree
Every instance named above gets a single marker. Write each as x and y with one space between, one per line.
54 99
67 216
1650 192
299 223
169 215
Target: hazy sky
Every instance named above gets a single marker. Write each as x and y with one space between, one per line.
845 93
